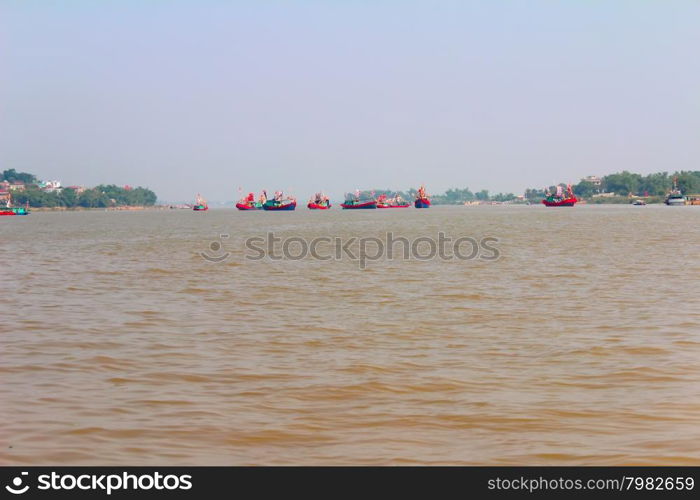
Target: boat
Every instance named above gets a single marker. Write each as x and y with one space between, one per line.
395 202
14 211
8 209
200 204
359 201
249 203
639 203
675 197
422 200
559 199
278 203
357 204
319 201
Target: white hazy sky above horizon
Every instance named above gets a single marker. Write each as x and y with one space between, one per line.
207 96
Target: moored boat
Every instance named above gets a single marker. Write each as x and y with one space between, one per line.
278 203
249 203
14 211
675 196
559 199
200 204
357 204
8 209
422 200
352 204
639 203
317 206
245 206
395 202
359 200
319 201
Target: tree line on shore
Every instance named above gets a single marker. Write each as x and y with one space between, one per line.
626 184
100 196
453 196
622 184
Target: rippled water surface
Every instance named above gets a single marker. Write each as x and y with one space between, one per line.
120 344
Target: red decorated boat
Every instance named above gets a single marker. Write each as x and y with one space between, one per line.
566 202
245 206
319 202
395 202
559 199
10 210
279 203
316 206
422 200
249 203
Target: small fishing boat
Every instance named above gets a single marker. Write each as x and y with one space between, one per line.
675 197
249 203
14 211
245 206
279 203
357 204
319 202
200 204
359 200
559 199
395 202
422 200
8 209
639 203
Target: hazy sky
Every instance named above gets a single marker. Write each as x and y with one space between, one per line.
206 96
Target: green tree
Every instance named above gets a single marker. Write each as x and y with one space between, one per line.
688 182
504 197
12 175
585 189
622 183
69 197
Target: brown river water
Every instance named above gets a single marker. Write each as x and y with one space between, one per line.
120 344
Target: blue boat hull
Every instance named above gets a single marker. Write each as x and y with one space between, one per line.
277 208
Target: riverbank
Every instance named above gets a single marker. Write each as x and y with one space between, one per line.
92 209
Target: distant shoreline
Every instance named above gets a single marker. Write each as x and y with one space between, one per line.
99 209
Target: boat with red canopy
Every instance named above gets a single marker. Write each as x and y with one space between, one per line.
249 203
559 199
